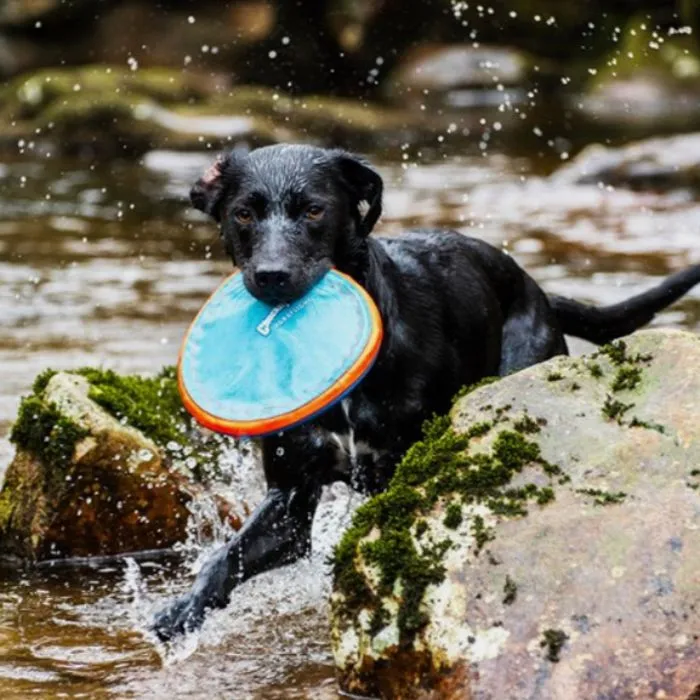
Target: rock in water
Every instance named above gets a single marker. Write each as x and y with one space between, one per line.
119 112
542 542
660 164
94 470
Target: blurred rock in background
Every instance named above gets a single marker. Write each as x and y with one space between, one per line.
615 67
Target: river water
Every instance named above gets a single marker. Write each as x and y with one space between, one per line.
107 265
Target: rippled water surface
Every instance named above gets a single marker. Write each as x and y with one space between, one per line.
106 266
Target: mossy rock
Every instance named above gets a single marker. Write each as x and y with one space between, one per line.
660 164
547 524
648 82
105 464
27 96
111 111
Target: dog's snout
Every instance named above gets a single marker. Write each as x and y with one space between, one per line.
272 279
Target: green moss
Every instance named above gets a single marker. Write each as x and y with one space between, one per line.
638 423
553 642
526 424
7 504
482 534
419 572
149 404
615 410
453 516
435 427
391 511
501 412
380 619
41 381
626 379
473 387
395 555
421 528
595 369
616 352
554 376
444 465
513 451
41 429
479 429
352 583
510 591
545 495
604 498
28 96
439 451
392 553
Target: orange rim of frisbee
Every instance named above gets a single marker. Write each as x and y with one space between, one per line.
284 421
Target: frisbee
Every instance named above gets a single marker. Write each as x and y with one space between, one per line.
249 369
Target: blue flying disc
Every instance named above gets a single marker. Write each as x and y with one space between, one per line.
250 369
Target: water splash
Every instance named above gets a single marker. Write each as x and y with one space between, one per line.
290 597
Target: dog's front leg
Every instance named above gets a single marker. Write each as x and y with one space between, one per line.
278 532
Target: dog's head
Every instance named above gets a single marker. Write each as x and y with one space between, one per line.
289 213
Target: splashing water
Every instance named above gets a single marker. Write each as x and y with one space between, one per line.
84 287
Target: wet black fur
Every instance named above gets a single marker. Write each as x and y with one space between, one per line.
454 308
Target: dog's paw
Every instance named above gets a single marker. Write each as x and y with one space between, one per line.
210 591
180 617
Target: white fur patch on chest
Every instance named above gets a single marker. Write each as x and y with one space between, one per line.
350 449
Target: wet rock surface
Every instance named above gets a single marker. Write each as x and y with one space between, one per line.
458 73
111 111
660 165
542 545
104 466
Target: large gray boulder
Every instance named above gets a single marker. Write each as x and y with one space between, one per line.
544 543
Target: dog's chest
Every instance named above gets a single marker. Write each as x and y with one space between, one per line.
352 438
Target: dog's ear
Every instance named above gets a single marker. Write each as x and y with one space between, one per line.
365 185
207 194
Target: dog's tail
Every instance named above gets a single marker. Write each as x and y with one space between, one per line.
603 324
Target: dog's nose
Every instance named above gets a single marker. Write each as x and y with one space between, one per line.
272 279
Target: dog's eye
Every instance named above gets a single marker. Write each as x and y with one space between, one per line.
314 212
243 216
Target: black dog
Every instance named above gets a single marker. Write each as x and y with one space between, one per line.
455 310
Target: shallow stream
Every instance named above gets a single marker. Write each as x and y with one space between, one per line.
106 266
